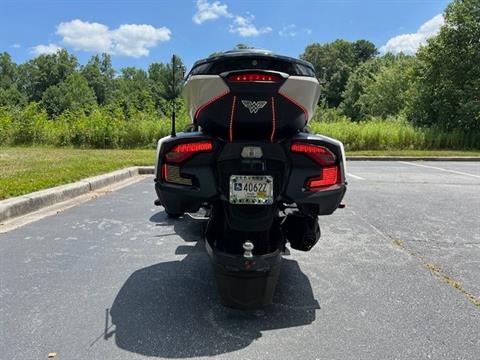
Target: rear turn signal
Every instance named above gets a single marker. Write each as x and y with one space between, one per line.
329 176
182 152
321 155
252 77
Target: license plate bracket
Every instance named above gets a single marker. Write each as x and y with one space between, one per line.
251 189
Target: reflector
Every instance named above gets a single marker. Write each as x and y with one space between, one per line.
183 152
317 153
252 77
172 175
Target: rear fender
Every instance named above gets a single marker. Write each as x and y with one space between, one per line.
184 198
326 200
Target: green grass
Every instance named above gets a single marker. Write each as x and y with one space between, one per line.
395 134
24 170
419 153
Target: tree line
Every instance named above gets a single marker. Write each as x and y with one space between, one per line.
439 87
58 83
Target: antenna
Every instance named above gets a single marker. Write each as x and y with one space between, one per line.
173 133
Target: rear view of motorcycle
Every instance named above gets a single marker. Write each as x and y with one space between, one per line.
251 163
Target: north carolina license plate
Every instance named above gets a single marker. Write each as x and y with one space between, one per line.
251 189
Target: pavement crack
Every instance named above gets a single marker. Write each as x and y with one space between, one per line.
439 273
434 269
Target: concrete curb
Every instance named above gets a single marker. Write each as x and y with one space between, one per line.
413 158
25 204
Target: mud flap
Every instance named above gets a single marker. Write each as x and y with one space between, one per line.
245 283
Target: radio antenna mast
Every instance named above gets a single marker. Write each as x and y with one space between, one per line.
173 133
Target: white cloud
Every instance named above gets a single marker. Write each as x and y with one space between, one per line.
83 35
409 43
45 49
133 40
292 30
288 31
210 11
16 46
244 26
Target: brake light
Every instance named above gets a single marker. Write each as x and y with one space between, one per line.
329 176
252 77
183 152
321 155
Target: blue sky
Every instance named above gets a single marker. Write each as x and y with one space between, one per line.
139 32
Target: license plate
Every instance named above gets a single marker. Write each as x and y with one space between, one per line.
251 189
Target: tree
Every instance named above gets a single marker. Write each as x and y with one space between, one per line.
10 95
334 62
38 74
8 71
99 74
73 94
158 76
379 87
161 77
133 92
446 92
355 87
364 50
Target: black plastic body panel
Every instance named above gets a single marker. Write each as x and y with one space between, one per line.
303 168
273 115
273 163
211 173
179 199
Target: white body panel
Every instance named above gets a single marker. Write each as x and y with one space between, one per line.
159 146
305 91
200 89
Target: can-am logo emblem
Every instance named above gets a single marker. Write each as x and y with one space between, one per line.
253 106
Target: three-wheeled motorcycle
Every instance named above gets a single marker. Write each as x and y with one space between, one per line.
250 162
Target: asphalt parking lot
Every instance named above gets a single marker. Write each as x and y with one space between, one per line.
395 276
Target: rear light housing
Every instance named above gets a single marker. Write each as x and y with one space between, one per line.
182 152
179 154
330 172
254 77
321 155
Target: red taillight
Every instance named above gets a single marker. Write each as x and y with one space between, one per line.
252 77
183 152
329 176
319 154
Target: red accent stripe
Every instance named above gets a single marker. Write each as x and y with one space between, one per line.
209 102
274 125
231 118
305 111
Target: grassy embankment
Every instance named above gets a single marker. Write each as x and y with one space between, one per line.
27 169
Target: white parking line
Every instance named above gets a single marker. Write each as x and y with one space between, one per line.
441 169
355 176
